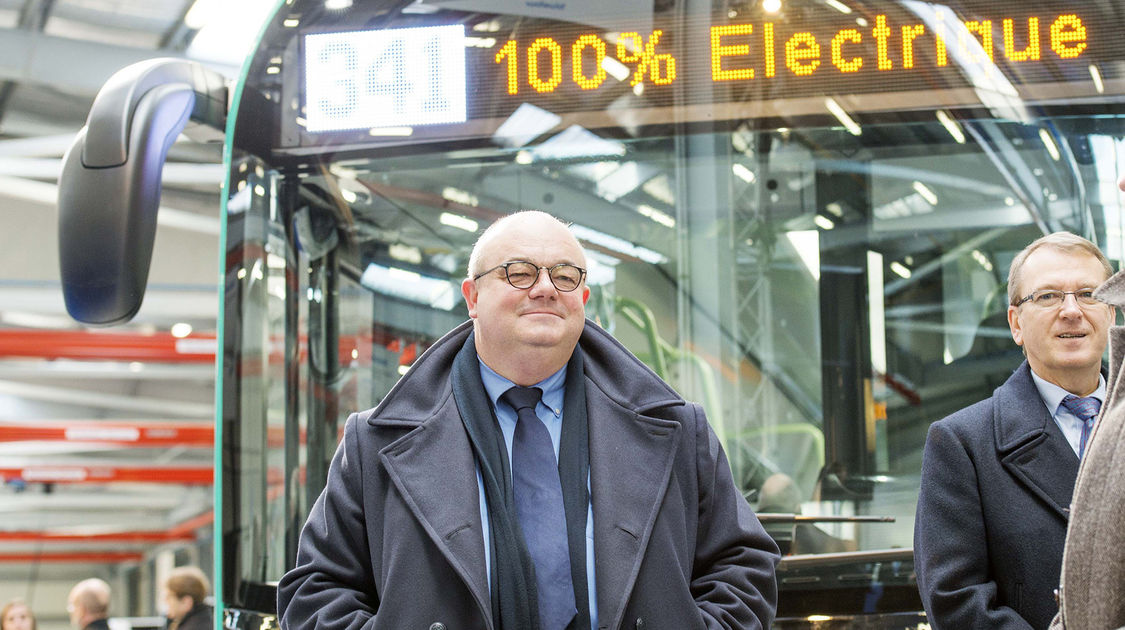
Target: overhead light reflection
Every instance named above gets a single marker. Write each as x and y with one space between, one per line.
951 125
1049 142
900 269
405 253
929 195
823 222
877 311
839 6
480 42
576 142
458 221
524 125
1097 77
408 285
662 218
807 245
457 195
616 244
616 69
744 173
841 115
982 260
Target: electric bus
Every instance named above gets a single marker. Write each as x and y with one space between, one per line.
799 213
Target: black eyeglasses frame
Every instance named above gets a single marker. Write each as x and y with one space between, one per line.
538 268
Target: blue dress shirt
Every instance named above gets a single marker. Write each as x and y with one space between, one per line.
550 411
1052 396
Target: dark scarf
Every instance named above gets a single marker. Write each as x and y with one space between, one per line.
514 598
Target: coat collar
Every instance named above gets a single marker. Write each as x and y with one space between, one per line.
615 371
1030 444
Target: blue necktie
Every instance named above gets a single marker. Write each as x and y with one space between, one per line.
539 506
1085 409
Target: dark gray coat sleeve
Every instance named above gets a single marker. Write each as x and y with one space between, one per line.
331 586
950 541
733 578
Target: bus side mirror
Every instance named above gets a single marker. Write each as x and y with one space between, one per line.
109 187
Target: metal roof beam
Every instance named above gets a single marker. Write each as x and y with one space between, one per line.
31 57
122 432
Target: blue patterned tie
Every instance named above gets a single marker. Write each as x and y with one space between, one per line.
539 505
1085 409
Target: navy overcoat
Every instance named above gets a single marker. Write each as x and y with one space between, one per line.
997 479
395 540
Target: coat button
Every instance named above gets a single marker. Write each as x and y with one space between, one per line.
640 624
437 625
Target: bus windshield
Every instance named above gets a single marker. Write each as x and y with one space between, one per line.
800 216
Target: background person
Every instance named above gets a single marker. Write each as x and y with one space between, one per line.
88 605
185 590
426 521
16 615
997 476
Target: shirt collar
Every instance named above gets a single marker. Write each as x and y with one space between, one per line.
1053 395
554 387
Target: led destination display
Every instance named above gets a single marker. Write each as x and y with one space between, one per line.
746 51
425 76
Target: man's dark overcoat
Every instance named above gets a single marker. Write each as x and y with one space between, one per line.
395 539
997 479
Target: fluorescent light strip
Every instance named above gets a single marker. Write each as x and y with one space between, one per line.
951 126
617 244
458 221
744 173
929 195
1097 77
900 269
841 115
662 218
1049 142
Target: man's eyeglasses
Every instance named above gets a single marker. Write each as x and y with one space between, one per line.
523 275
1050 298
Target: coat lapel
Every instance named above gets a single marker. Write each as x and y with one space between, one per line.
1030 445
433 468
631 459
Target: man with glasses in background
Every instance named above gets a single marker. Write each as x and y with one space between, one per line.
529 473
997 476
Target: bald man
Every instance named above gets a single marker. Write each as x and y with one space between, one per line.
88 605
529 473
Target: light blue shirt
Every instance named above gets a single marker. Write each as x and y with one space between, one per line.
550 411
1070 424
